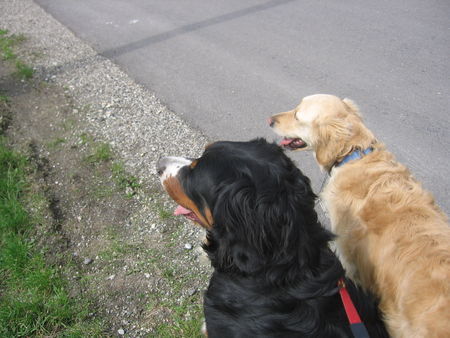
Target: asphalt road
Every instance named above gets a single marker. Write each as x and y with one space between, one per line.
225 66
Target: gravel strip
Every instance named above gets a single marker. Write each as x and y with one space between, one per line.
137 125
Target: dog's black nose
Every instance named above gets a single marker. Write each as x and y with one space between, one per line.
271 121
161 166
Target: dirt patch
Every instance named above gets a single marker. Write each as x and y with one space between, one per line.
111 235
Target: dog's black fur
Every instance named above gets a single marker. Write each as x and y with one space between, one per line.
274 274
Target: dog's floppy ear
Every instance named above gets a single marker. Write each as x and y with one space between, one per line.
234 226
337 136
259 223
331 139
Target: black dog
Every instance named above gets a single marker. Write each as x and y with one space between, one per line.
274 274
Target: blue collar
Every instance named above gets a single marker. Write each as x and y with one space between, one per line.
354 155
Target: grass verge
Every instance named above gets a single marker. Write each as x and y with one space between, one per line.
84 204
34 300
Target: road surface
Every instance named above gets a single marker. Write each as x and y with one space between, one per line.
225 66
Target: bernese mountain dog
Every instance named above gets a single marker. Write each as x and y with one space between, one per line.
274 273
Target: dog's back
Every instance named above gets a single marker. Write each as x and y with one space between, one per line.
237 306
398 240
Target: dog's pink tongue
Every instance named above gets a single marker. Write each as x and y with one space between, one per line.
181 211
286 141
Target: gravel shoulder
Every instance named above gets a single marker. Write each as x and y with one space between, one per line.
94 136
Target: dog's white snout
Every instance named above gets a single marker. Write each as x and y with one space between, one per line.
169 166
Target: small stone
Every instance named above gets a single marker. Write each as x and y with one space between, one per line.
188 246
87 261
121 332
147 275
111 277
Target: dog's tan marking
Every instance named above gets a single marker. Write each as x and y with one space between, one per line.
193 164
175 190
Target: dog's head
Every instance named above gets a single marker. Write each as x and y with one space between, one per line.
256 205
329 126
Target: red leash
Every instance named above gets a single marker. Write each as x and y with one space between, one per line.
356 325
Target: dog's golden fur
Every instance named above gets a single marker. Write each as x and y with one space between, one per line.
392 237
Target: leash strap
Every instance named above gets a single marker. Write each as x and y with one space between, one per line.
356 325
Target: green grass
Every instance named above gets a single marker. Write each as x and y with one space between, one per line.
122 181
163 213
56 142
86 139
7 44
186 315
34 300
125 181
4 98
182 325
101 153
24 71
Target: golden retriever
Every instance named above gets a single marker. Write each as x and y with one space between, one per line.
391 236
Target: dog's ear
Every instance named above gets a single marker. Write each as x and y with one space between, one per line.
234 227
331 140
261 223
235 207
337 136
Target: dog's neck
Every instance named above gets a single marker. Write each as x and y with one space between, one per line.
343 154
356 154
293 266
